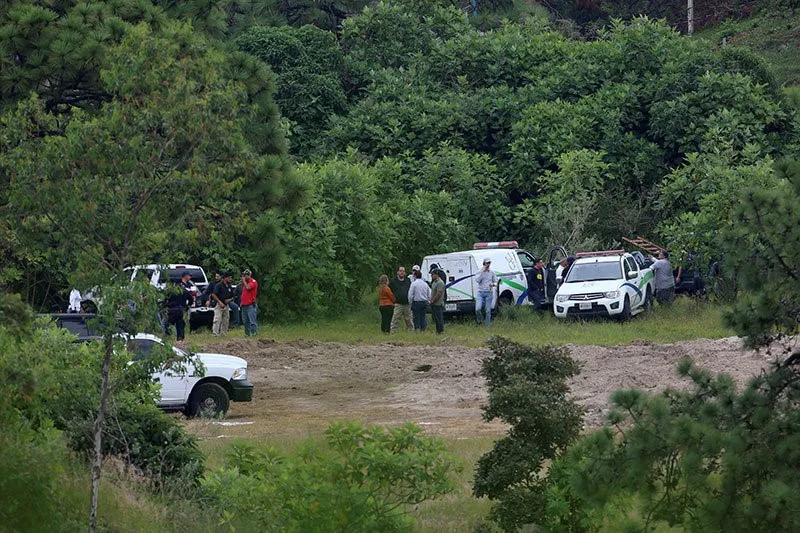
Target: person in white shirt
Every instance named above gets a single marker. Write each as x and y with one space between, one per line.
74 301
560 271
487 281
418 295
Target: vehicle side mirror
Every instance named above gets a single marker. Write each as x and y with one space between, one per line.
632 274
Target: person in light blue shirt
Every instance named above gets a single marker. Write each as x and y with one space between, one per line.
418 295
487 281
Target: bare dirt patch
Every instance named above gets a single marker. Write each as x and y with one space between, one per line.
301 386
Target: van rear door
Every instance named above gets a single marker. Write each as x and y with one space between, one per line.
459 279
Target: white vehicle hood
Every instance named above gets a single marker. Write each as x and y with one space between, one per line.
221 361
583 287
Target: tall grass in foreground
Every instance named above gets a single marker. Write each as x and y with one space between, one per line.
687 319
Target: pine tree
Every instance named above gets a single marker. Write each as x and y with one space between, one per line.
763 249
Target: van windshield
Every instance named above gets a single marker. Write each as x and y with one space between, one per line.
594 272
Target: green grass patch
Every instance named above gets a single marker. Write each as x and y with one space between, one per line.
775 36
687 319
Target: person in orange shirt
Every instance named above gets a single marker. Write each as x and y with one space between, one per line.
386 301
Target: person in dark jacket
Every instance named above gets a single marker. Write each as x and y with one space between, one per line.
177 304
536 285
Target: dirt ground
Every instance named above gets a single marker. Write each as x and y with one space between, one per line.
301 386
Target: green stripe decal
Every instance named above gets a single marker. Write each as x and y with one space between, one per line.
512 284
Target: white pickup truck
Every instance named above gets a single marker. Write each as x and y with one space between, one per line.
608 284
198 394
223 379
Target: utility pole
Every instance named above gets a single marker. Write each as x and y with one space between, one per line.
690 16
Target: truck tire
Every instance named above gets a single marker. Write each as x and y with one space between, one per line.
625 315
208 399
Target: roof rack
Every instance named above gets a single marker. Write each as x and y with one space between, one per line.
600 253
496 244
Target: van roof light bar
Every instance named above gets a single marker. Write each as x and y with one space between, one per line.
600 253
496 244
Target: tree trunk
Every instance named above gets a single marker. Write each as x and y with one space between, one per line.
97 429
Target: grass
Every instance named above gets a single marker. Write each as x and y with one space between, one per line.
687 319
775 36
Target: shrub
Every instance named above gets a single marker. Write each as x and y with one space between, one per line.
364 480
527 390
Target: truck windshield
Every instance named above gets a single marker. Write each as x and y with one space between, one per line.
196 273
594 272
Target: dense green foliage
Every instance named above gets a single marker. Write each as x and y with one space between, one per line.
51 382
764 243
527 390
365 479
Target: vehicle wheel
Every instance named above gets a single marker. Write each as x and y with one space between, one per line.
648 302
208 400
626 310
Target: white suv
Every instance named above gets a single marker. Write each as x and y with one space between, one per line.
608 283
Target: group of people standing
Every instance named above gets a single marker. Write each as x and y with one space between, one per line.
407 299
220 295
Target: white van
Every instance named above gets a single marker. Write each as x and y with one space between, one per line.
511 264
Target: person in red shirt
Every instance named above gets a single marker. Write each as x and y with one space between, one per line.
249 306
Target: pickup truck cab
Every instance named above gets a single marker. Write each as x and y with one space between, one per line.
609 284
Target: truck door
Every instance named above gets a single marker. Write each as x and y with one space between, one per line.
630 265
554 256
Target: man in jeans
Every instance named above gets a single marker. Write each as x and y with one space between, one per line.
249 307
419 294
222 295
487 281
402 309
437 300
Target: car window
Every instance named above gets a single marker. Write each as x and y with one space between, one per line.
140 348
631 265
525 259
196 273
594 272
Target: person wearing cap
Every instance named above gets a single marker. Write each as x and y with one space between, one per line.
189 286
223 295
210 289
249 306
414 268
487 281
437 299
402 308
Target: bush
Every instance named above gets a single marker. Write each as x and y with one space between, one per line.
364 480
53 382
31 474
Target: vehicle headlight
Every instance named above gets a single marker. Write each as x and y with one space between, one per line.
562 298
612 294
240 373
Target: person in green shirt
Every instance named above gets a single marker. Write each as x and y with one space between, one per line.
437 300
